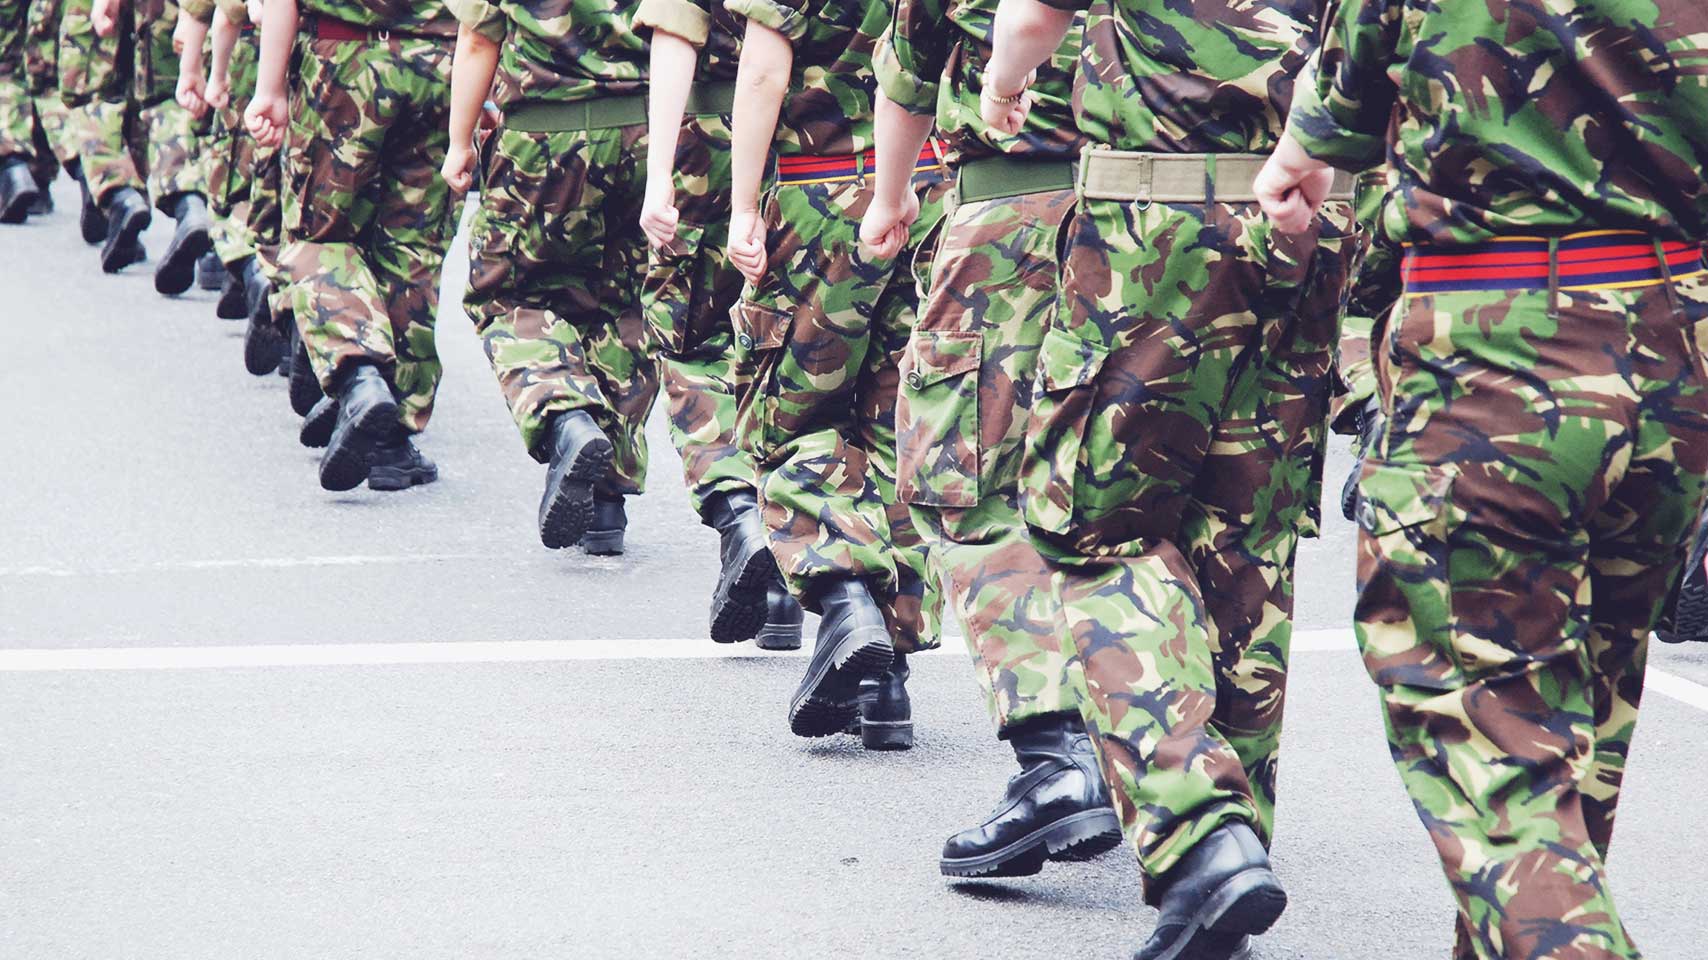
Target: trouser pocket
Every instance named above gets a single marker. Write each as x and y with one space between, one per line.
673 288
1405 595
938 452
761 333
1055 432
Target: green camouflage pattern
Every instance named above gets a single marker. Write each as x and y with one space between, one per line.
828 109
560 50
1489 87
41 46
137 63
1522 520
1171 462
122 143
707 24
1204 76
967 379
366 216
416 18
687 295
555 258
231 156
88 64
818 343
1374 291
932 62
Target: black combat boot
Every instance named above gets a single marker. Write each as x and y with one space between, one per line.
367 417
1218 895
18 190
886 713
261 339
1055 808
317 424
580 455
44 200
1685 616
783 616
604 536
233 292
210 272
127 216
398 465
853 644
305 387
177 268
91 222
746 567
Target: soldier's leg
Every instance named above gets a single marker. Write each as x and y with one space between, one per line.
115 183
21 155
1507 585
177 179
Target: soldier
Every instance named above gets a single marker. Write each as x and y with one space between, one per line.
1170 458
556 251
366 219
1356 410
28 159
967 379
820 328
1527 506
689 290
118 59
57 121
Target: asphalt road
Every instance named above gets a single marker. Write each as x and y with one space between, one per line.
616 798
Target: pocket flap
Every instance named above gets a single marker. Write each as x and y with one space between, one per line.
1065 361
1394 496
759 327
935 356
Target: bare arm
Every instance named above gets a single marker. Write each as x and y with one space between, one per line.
1024 35
672 76
472 70
192 77
761 81
225 35
900 136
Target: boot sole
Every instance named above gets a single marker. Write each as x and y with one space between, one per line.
114 256
231 305
316 434
738 610
391 480
602 543
772 637
570 512
19 209
825 702
260 345
1076 837
305 389
350 451
177 270
886 734
1246 904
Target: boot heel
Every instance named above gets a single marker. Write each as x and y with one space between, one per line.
888 735
602 543
778 637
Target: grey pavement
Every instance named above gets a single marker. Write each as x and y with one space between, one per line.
154 495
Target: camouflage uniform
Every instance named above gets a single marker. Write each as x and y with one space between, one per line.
1172 456
32 120
556 253
230 152
969 369
1528 505
819 337
1374 291
690 286
366 216
41 56
127 83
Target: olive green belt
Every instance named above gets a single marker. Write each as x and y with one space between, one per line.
991 178
712 98
1178 177
599 113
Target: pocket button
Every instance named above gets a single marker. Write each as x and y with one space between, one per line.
914 380
745 341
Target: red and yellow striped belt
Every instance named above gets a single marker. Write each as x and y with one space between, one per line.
1580 261
848 166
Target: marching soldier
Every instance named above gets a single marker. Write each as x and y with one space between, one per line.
1525 509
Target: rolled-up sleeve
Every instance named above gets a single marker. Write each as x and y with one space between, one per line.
236 11
913 54
480 16
683 18
787 17
1345 96
202 10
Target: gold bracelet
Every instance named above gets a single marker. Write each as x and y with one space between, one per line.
987 91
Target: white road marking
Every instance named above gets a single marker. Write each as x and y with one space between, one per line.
254 656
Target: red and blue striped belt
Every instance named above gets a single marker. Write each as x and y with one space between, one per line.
1601 259
847 166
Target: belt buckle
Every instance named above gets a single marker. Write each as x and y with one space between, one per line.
384 36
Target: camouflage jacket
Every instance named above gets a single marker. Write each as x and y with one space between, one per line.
1191 76
828 110
420 17
559 50
1594 116
705 23
933 62
202 10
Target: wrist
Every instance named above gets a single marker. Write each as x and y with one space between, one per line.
1001 88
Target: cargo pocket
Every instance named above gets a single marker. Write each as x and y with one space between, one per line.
1404 609
1055 431
671 288
937 419
761 331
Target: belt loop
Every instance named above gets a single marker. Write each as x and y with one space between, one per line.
860 168
1209 179
937 151
1666 278
1079 176
1553 278
1145 189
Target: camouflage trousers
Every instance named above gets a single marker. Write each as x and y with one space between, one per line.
232 157
967 380
555 259
1172 460
37 130
818 342
366 216
1374 290
1527 514
689 290
121 141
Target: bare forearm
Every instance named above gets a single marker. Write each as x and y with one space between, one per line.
1024 35
900 135
195 34
672 77
224 39
472 70
760 84
278 32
